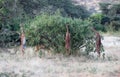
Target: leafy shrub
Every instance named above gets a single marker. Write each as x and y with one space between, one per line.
97 20
50 30
15 12
112 15
67 8
10 18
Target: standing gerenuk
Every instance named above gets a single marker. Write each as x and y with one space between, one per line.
67 41
23 42
98 41
22 39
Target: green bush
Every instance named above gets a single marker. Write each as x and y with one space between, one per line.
97 20
67 8
111 14
15 12
11 15
50 30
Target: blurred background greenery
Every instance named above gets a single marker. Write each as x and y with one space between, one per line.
44 22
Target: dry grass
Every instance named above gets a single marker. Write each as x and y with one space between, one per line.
58 65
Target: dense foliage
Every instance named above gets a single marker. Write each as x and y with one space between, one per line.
44 22
108 19
50 30
15 12
66 7
96 21
111 14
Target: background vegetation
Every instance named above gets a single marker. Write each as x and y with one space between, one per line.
50 31
44 22
15 12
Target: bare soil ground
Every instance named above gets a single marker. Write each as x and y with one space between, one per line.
29 65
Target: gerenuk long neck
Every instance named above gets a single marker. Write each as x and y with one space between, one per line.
67 28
